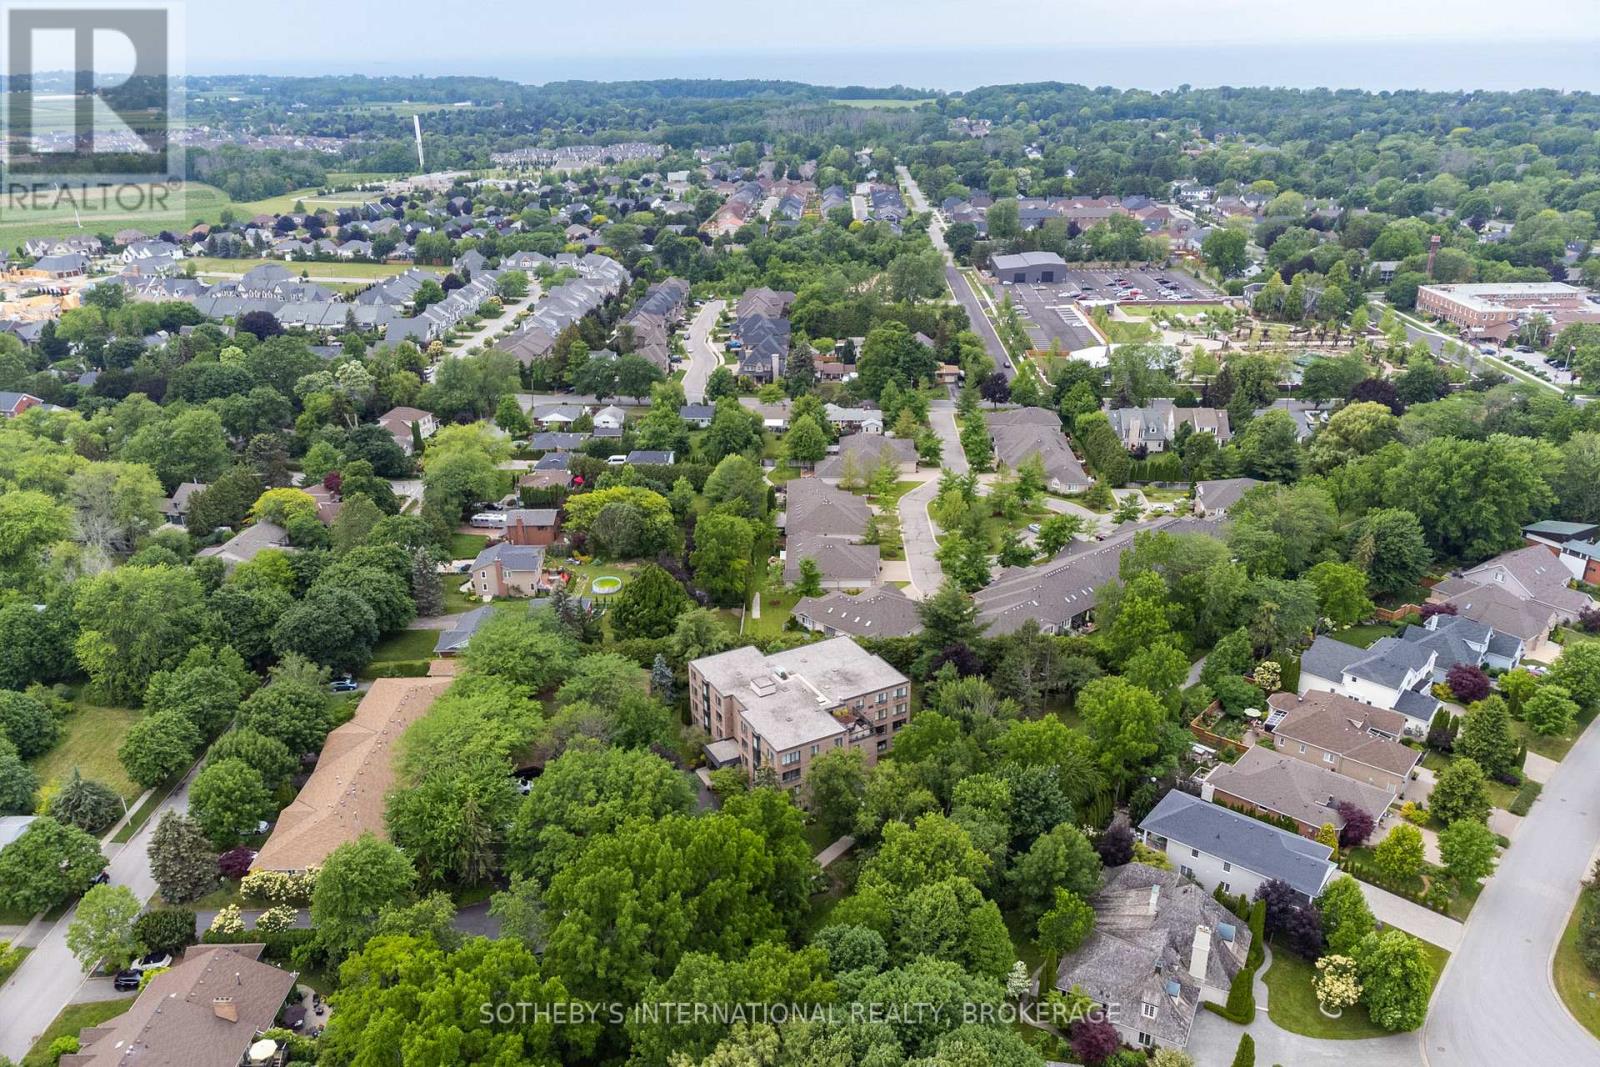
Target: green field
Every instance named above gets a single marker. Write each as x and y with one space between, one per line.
1578 986
205 266
89 739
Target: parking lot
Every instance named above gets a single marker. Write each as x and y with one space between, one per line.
1049 316
1132 286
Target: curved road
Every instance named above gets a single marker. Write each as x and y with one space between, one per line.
1495 1004
703 355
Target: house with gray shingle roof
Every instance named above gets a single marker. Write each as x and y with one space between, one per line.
1217 846
1160 947
1214 498
1392 674
826 525
881 612
454 641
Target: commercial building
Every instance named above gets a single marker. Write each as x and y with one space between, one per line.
782 711
1029 268
1479 306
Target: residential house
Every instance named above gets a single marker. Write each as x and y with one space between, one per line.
532 526
248 543
1308 417
1554 534
1160 947
1153 428
647 457
1273 783
1523 592
71 265
1023 433
400 421
1459 640
505 569
653 319
1219 847
698 415
557 416
1345 736
1392 673
556 441
827 526
883 611
854 420
346 794
1212 499
859 454
207 1010
14 404
1061 594
609 417
175 508
782 711
454 641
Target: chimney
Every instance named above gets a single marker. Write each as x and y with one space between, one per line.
1155 899
225 1008
1200 955
1433 250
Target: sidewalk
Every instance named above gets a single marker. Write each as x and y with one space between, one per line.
1414 919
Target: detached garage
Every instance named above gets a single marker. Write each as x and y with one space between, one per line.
1028 268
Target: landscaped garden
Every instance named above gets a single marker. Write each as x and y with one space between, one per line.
1292 999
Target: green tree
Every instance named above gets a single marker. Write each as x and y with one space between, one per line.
1224 250
134 621
1060 859
1346 918
649 605
228 799
359 879
1460 792
1269 448
1065 926
1056 532
332 626
1341 592
157 747
1578 672
181 859
1245 1054
1396 979
1486 736
723 545
805 444
18 783
47 864
738 487
452 823
1128 726
1551 710
102 928
90 806
1468 849
1390 545
1400 855
30 725
836 784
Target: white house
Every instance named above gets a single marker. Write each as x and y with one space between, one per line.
609 417
1393 674
1218 846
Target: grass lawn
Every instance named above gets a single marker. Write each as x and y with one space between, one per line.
1190 311
1365 636
467 546
89 739
73 1017
205 265
406 645
9 968
1292 1004
455 601
1578 986
142 813
1556 747
1131 333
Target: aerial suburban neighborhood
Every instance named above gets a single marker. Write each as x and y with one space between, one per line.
699 571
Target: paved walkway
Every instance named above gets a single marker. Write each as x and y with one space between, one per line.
835 850
1399 912
1539 768
920 534
952 457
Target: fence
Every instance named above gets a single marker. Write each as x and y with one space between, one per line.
1207 737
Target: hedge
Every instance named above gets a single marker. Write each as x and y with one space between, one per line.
398 668
279 945
1526 795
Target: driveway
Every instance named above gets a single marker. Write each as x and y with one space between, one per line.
953 458
1495 1004
51 978
485 333
703 356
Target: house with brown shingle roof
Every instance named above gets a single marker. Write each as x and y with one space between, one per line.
345 796
1348 737
204 1012
1523 593
1278 784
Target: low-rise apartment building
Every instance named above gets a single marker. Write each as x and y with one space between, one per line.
782 711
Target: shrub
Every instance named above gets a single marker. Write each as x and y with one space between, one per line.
1358 825
1246 1054
227 921
235 863
1336 983
165 930
277 919
279 887
1413 812
1525 797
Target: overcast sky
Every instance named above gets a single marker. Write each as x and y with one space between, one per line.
542 39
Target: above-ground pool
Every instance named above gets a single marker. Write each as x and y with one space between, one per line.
605 585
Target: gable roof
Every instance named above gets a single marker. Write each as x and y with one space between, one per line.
1302 791
884 611
868 451
345 796
1354 730
179 1018
1242 840
518 558
455 639
1222 493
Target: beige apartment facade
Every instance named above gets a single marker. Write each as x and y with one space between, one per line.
780 712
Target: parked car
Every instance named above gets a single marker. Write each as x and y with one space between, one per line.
126 981
346 684
151 962
1033 527
103 878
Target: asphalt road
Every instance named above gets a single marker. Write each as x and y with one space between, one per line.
957 282
919 532
50 976
703 356
1495 1004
